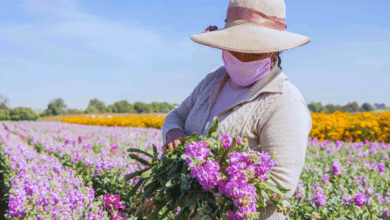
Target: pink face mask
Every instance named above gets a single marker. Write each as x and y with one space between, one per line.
245 73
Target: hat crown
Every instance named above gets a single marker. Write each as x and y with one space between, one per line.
275 8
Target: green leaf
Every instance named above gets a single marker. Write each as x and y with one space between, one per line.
135 188
143 161
154 214
155 152
282 189
169 183
147 174
188 139
272 187
214 127
136 173
139 151
150 189
166 213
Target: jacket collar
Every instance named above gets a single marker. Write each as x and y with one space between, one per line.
273 82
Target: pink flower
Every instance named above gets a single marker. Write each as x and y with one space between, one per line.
336 167
381 168
227 141
360 199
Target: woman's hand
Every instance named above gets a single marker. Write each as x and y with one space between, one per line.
174 138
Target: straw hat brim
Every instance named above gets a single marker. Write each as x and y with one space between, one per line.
249 38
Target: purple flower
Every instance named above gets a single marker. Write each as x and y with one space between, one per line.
325 178
207 174
327 169
227 141
370 191
198 151
239 140
177 212
319 199
347 199
386 213
237 157
381 168
360 199
336 167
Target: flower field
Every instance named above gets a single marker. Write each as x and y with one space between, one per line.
55 170
127 121
336 126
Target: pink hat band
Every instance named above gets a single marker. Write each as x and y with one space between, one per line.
251 15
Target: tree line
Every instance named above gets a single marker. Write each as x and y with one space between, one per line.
95 106
351 107
58 107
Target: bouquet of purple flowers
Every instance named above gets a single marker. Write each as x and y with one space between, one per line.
219 179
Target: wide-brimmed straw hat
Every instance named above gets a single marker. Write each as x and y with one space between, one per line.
253 26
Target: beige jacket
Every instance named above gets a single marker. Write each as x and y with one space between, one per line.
273 115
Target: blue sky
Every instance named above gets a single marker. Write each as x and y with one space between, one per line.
141 50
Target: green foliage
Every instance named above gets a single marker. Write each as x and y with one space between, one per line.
166 107
315 107
97 104
123 107
141 107
367 107
21 113
155 106
73 111
109 109
330 108
351 107
91 110
379 106
55 107
5 115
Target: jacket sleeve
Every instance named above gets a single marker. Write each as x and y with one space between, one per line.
177 117
286 133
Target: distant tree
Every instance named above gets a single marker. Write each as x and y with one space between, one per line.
55 107
21 113
5 115
4 102
141 107
367 107
123 107
109 109
73 111
379 106
91 110
315 107
330 108
97 104
351 107
155 106
173 106
165 107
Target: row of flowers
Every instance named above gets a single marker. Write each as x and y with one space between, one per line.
39 187
341 179
341 126
354 128
129 121
97 154
338 178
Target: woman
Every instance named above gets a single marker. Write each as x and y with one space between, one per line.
250 94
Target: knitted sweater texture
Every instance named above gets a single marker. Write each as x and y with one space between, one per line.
273 116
